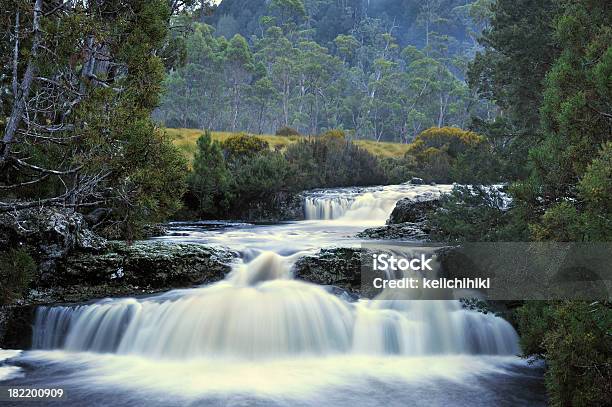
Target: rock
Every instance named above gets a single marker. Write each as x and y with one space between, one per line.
49 235
149 231
127 270
16 326
417 181
401 231
409 210
340 267
282 206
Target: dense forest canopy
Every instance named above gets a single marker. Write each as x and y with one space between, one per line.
385 70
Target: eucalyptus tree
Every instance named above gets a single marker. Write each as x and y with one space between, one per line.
77 90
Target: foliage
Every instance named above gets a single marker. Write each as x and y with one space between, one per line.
450 154
243 145
209 181
295 71
576 96
287 131
258 178
330 161
475 214
80 133
574 337
16 271
227 177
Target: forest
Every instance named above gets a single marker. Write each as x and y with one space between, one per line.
381 77
512 92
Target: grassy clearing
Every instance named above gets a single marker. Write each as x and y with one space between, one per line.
186 139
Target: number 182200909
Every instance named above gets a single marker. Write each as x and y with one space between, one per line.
32 393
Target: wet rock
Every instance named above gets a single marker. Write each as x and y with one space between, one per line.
340 267
282 206
401 231
16 326
417 181
126 270
49 235
409 210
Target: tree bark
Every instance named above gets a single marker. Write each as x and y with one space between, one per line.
26 84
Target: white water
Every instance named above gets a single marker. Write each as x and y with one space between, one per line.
364 206
259 313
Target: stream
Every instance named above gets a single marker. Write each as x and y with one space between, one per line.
262 338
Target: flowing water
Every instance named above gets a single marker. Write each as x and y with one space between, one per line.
259 337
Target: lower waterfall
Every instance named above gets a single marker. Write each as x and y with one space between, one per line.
256 313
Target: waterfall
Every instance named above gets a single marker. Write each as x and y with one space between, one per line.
257 312
260 312
326 208
365 205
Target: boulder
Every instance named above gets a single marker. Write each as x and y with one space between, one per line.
417 181
410 210
49 235
339 267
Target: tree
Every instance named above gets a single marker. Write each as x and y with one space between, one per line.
239 67
83 80
576 118
209 181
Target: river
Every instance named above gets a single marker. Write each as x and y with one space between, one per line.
260 337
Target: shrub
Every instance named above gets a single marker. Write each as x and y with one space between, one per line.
334 134
16 271
287 131
574 337
445 154
476 214
452 140
240 145
329 161
210 180
258 177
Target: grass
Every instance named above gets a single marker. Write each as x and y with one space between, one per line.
186 139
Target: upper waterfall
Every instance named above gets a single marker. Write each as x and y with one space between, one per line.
371 205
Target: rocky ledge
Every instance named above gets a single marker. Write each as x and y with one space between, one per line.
407 221
410 210
126 270
73 264
402 231
339 267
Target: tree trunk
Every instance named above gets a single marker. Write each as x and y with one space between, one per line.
24 91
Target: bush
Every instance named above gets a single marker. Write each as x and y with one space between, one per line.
16 271
329 161
398 170
334 134
287 131
243 145
451 140
450 154
476 214
210 180
152 185
259 177
574 337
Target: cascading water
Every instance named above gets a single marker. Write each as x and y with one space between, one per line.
364 205
260 313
